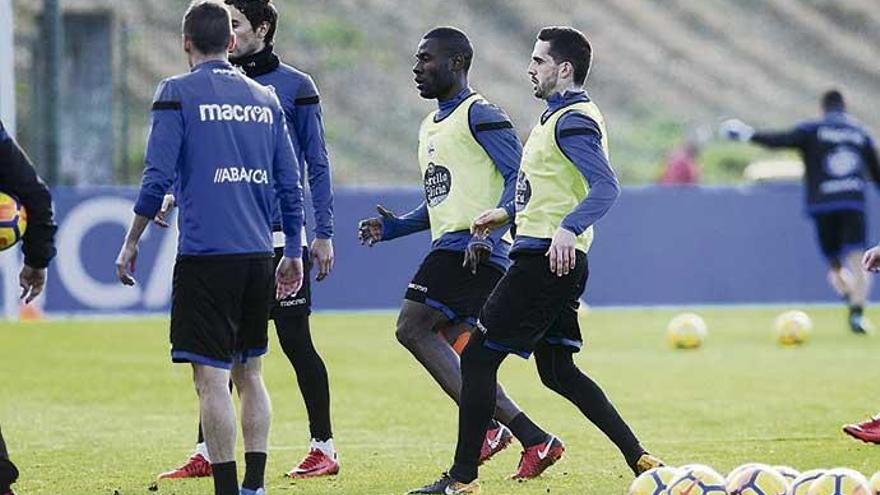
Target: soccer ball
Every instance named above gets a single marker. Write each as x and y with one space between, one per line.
875 483
801 485
733 474
787 472
686 331
652 482
792 328
757 480
840 481
697 480
13 220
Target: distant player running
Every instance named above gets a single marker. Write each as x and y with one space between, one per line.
223 139
254 23
18 177
838 154
869 430
469 156
565 185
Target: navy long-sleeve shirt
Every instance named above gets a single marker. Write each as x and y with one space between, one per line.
301 103
491 127
223 138
580 140
18 177
837 152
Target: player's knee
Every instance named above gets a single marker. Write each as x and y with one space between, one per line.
409 330
477 358
558 372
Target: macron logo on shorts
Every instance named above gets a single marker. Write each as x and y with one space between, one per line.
236 113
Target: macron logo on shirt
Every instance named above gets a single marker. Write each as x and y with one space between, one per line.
236 113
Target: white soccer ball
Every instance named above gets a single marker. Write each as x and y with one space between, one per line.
757 480
874 483
840 481
686 331
792 328
652 482
801 485
787 472
697 480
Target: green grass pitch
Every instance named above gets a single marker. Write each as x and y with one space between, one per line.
97 408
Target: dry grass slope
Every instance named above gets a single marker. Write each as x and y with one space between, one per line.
659 65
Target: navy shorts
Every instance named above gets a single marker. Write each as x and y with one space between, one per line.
444 284
220 308
532 305
840 233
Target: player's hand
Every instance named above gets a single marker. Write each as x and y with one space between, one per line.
288 277
168 204
322 256
31 280
478 250
562 252
125 263
736 130
370 229
489 220
871 260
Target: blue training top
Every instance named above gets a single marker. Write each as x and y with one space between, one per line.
223 137
838 154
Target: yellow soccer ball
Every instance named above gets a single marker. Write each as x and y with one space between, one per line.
757 480
840 481
787 472
652 482
697 480
801 485
792 328
686 331
13 221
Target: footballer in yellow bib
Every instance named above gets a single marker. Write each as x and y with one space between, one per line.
565 185
468 155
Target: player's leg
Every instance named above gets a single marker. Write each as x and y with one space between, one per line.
206 313
8 471
256 414
252 341
509 420
292 324
853 244
218 425
559 373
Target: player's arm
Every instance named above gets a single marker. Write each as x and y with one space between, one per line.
309 127
737 130
164 143
288 190
580 140
388 226
17 175
493 130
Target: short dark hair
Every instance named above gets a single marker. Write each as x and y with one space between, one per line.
454 42
567 44
833 100
208 26
258 12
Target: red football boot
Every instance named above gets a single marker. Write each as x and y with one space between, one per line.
315 463
196 467
537 458
866 431
496 440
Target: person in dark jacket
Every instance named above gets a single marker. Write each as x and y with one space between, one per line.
839 157
18 178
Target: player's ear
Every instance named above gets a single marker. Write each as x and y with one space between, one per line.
566 70
231 45
263 30
456 62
